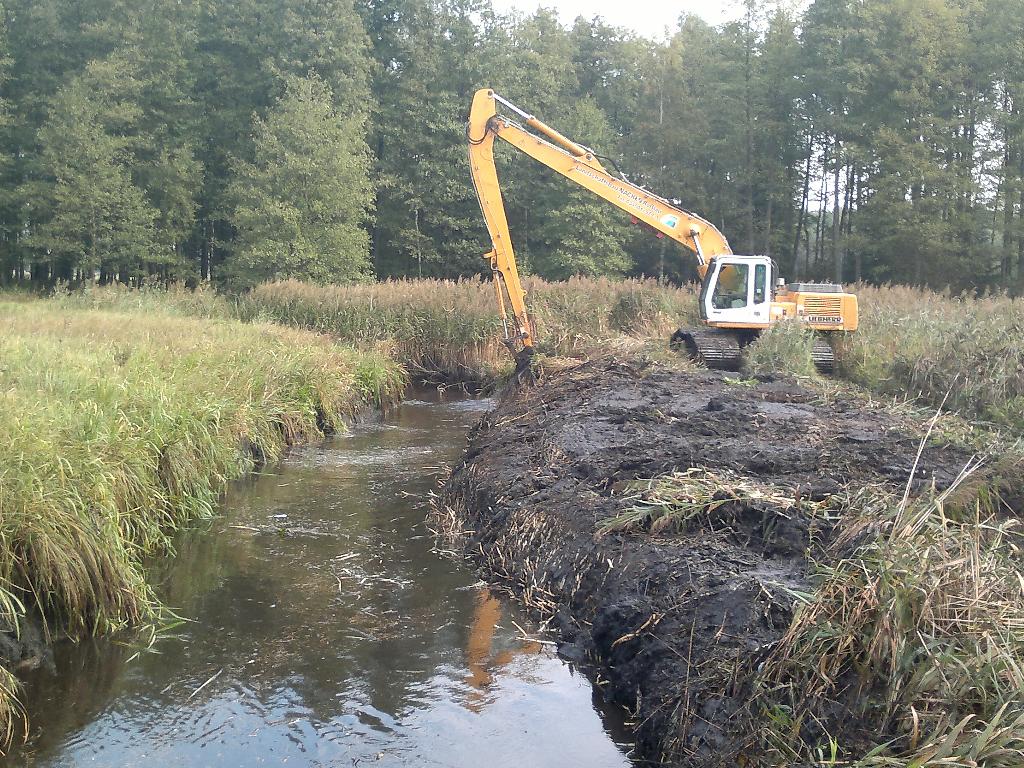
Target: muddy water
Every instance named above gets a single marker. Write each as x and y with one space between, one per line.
325 631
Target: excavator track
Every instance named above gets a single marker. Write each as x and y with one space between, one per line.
823 355
714 348
723 350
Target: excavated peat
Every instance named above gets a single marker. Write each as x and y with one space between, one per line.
672 620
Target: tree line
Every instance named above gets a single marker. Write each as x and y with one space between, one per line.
240 140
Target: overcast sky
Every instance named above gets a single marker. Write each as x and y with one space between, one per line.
648 17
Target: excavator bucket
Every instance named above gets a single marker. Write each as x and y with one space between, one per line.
524 374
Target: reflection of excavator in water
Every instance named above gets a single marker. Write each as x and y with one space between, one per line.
740 295
481 658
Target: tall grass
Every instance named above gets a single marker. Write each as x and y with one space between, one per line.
912 343
173 300
117 428
786 347
915 635
451 329
920 344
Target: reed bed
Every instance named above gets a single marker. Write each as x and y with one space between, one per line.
962 351
174 300
451 330
118 428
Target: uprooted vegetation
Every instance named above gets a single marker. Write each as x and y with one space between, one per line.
119 428
761 570
916 628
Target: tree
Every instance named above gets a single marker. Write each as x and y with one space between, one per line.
863 139
429 57
300 207
92 218
574 232
246 50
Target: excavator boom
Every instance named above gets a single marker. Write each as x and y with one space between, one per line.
579 164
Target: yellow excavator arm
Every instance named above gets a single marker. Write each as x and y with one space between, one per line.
578 164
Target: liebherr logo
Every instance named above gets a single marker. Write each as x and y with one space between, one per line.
821 319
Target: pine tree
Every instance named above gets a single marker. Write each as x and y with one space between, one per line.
300 207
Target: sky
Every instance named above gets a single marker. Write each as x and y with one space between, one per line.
647 17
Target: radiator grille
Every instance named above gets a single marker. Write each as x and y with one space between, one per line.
823 305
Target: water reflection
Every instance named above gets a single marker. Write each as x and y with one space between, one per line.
483 659
324 631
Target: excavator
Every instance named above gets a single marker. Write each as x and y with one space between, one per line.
740 296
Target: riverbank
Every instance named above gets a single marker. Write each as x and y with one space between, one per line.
121 427
323 626
739 561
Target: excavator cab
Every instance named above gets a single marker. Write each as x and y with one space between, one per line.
742 295
737 292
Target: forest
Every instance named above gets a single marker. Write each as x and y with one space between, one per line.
236 142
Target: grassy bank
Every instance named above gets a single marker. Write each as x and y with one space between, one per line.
451 330
120 427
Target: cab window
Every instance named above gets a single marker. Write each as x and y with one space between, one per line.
760 283
731 288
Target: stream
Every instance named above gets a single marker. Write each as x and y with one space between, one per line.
323 629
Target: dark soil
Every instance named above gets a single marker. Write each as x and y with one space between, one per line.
677 619
27 648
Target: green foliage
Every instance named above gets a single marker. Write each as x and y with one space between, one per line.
573 231
298 209
878 140
785 348
94 217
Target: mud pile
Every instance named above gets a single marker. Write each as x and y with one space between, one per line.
674 619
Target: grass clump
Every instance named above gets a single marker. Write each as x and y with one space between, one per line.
785 347
670 501
915 636
118 428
